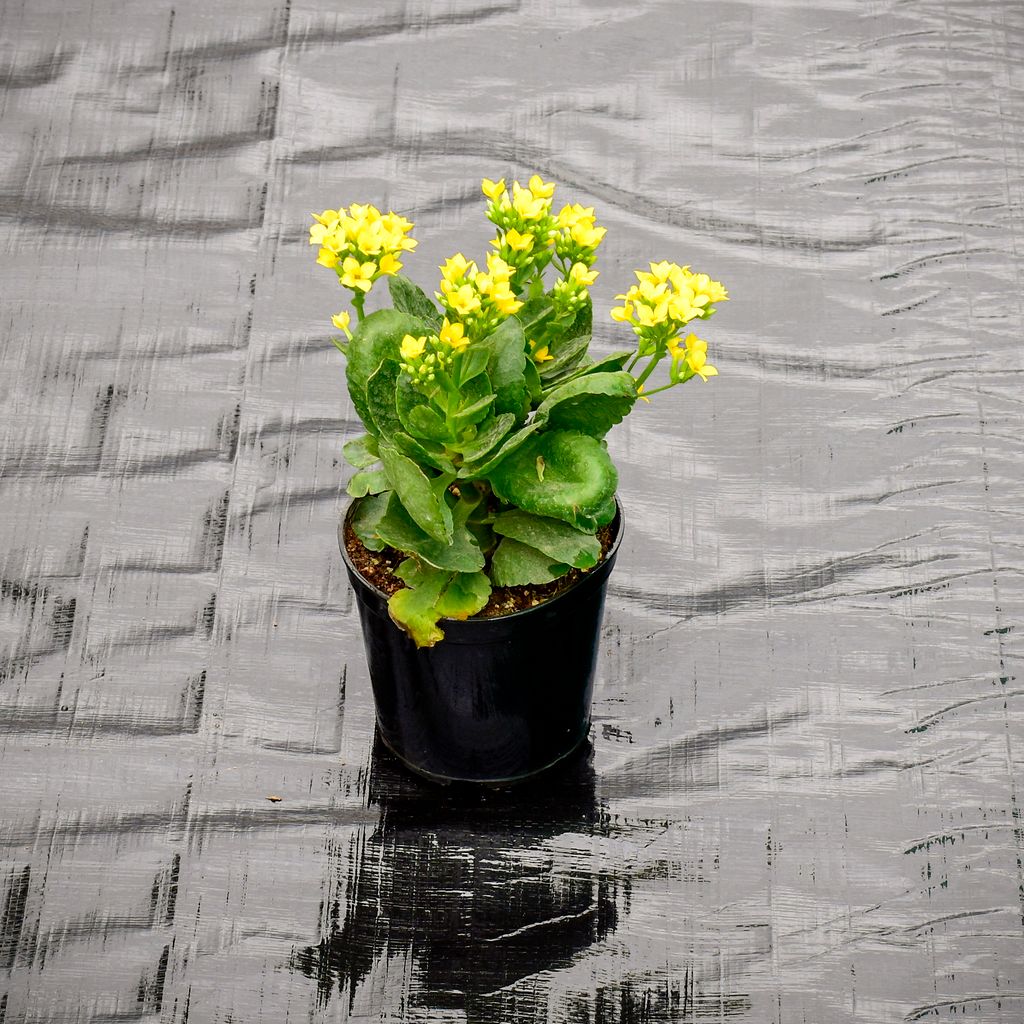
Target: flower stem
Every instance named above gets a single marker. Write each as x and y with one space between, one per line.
358 298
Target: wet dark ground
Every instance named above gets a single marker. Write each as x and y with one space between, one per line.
801 803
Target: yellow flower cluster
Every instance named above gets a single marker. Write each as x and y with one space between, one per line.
570 293
689 359
578 235
480 300
424 357
666 298
361 244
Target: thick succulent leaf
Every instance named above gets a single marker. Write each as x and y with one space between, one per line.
564 358
533 313
361 451
534 386
602 517
368 481
409 297
485 464
380 397
584 320
473 362
473 413
488 435
415 607
465 595
420 453
591 404
515 564
375 340
365 517
558 540
560 473
413 489
397 529
506 366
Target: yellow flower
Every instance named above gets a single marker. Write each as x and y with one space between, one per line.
696 357
455 267
412 348
498 268
341 320
518 242
582 275
357 275
464 300
327 258
453 335
571 215
540 188
586 235
624 313
526 204
540 355
492 189
640 392
390 263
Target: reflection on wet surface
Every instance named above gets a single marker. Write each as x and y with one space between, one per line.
802 801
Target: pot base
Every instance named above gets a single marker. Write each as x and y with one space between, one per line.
504 783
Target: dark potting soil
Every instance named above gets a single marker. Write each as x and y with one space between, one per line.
378 567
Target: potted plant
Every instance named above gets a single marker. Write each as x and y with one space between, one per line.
485 521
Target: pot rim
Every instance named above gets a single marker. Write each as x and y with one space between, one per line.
591 576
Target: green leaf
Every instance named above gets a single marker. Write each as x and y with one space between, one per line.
564 357
485 464
380 397
365 517
579 476
375 340
413 489
515 564
473 362
362 451
369 481
533 313
466 594
473 413
426 423
409 297
421 454
559 540
533 384
505 367
415 608
397 529
489 434
583 322
592 403
432 594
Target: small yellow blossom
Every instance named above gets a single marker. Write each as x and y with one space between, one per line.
541 188
582 275
326 258
412 348
623 313
358 275
526 204
453 335
341 320
518 242
540 355
390 263
586 235
493 189
464 300
696 357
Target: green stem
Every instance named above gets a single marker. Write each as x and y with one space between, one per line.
648 370
664 387
358 298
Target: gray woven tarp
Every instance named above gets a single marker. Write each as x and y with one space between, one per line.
801 804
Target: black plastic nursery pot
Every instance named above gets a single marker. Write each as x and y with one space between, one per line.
498 700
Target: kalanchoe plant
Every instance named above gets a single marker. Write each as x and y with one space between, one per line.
484 460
